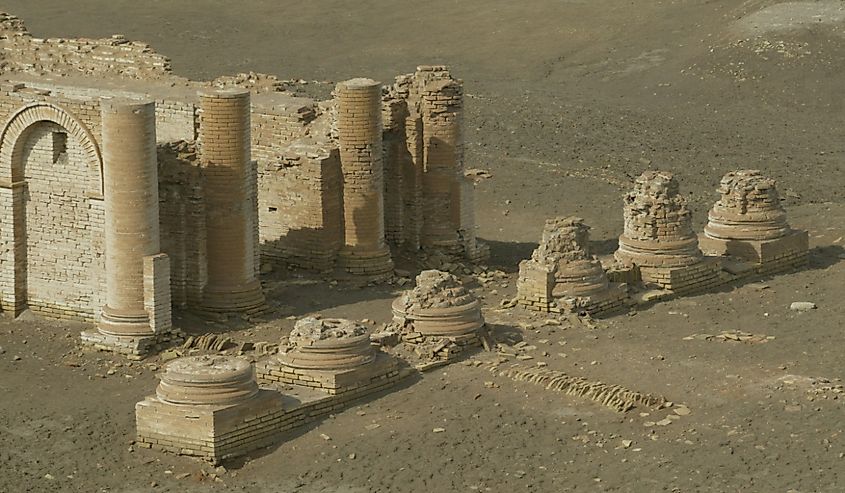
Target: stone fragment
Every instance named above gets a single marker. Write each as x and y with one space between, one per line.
802 306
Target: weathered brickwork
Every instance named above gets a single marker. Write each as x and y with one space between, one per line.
427 174
230 188
210 407
299 208
748 222
563 276
113 56
182 221
362 162
52 206
157 301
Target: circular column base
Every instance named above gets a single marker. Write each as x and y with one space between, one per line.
658 254
453 321
207 380
231 299
113 322
372 263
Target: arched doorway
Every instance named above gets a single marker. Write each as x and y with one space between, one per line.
51 253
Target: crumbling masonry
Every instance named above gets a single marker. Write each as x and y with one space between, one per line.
659 256
563 276
125 189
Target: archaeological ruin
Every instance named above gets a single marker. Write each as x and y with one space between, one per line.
563 275
174 192
659 255
129 194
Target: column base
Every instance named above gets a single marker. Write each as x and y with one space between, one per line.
377 264
235 299
124 325
759 252
133 347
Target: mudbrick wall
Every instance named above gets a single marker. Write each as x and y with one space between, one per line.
97 57
51 182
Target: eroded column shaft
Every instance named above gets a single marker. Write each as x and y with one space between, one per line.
360 135
130 176
442 113
231 213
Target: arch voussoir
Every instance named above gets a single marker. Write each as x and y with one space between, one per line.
25 117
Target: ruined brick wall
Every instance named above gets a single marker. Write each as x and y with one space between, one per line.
299 208
51 204
176 120
113 56
63 230
182 220
429 201
403 166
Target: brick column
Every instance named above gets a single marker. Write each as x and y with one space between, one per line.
130 176
360 134
231 207
441 105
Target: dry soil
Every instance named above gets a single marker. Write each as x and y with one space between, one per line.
568 101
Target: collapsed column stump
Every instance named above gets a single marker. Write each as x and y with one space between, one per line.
333 356
658 242
209 407
439 312
748 223
562 276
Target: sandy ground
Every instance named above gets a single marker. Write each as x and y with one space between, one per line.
567 102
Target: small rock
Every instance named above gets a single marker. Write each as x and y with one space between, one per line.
438 430
664 422
352 456
2 350
325 437
49 476
16 358
681 411
627 443
802 306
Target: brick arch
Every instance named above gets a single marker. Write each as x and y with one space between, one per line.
13 135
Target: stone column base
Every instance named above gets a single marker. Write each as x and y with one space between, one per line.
333 382
245 299
377 265
216 433
211 432
763 252
134 347
699 277
614 300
